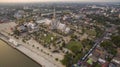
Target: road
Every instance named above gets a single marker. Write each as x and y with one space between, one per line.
98 42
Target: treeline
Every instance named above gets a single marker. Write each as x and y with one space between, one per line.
102 19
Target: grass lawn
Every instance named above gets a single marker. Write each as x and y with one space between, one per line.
47 38
90 61
74 46
91 32
88 47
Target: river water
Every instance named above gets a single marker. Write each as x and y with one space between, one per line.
10 57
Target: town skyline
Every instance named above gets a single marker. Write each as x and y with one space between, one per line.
26 1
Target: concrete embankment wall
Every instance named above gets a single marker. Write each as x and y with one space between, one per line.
6 40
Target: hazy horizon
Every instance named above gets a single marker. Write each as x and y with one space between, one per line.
27 1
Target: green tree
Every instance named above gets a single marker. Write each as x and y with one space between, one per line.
16 32
108 46
116 40
67 60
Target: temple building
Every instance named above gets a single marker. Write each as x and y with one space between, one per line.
55 24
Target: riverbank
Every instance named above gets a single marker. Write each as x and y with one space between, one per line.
10 57
48 58
38 58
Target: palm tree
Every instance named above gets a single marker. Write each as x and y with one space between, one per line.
37 47
33 45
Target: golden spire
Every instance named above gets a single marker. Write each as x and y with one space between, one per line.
54 14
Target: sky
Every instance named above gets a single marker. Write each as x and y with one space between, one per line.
18 1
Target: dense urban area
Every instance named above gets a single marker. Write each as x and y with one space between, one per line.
64 34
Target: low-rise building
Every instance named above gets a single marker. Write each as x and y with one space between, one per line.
116 61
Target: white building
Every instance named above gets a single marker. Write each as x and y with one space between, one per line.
101 60
31 25
44 21
61 27
67 30
19 14
47 22
119 16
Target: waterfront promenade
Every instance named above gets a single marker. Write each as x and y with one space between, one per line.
43 56
36 57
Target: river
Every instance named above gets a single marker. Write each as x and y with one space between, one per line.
10 57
